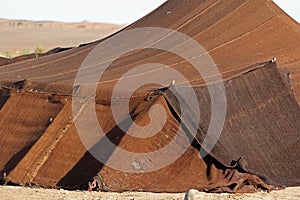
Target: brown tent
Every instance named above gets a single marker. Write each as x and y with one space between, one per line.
258 145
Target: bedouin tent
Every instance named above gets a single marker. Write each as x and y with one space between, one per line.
259 143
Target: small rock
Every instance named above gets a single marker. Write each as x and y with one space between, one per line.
193 195
136 165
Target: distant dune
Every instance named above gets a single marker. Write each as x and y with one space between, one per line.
19 37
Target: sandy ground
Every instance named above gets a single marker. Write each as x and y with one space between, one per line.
14 192
24 37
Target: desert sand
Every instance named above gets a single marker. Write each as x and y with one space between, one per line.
19 37
14 193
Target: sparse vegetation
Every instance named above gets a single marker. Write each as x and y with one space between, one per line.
8 54
81 26
39 49
26 52
12 54
16 53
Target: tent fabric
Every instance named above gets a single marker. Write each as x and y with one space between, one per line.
41 146
261 125
237 34
59 159
20 127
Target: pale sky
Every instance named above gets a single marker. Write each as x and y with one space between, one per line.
110 11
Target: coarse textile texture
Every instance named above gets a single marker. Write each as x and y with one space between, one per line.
258 147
